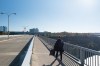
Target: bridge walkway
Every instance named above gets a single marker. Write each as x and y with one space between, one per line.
41 57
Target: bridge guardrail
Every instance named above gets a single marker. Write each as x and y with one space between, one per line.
28 57
81 55
4 36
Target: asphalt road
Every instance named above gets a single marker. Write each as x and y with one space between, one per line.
9 49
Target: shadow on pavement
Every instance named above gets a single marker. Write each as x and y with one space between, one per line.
60 63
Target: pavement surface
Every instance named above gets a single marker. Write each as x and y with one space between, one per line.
41 57
9 49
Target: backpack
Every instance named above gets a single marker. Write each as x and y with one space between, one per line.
59 45
52 52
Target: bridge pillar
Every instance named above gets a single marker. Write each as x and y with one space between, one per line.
82 57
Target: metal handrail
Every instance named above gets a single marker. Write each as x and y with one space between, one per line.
85 56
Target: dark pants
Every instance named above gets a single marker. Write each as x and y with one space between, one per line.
60 54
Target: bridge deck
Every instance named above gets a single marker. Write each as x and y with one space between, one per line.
41 56
9 49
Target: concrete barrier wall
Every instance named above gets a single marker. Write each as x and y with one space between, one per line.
27 59
20 58
1 36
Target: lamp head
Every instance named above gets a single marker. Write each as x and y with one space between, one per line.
2 13
14 13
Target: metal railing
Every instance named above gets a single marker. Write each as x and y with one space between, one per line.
81 55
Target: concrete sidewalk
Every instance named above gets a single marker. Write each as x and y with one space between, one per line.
40 56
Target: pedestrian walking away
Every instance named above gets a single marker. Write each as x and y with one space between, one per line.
58 47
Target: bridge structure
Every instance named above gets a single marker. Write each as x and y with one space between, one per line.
74 55
29 50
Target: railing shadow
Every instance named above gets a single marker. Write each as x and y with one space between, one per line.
60 63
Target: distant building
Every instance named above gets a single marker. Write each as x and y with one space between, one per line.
3 29
34 30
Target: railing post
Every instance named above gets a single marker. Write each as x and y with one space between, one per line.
82 57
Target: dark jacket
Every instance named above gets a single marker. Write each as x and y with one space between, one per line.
58 45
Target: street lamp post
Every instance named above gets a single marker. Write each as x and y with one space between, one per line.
8 20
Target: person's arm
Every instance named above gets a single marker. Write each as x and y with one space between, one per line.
55 44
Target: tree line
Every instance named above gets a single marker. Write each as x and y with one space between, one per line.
87 40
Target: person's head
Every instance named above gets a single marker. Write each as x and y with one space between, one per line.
59 37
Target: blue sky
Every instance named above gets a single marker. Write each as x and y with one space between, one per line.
52 15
